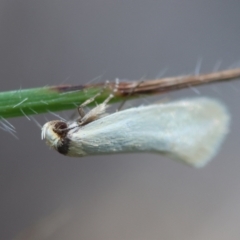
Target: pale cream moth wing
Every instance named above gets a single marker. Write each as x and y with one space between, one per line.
189 130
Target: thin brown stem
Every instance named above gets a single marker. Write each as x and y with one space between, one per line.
168 84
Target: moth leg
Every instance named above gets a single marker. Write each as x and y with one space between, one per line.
84 104
90 100
108 99
96 112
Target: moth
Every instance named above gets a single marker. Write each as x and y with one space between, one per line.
188 130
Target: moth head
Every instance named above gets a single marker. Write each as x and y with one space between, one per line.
53 132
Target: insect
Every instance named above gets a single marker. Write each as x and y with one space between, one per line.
189 130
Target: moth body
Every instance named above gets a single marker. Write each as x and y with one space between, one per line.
189 130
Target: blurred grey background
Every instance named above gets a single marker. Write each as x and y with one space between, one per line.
139 196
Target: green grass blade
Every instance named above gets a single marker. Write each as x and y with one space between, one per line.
41 100
57 98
